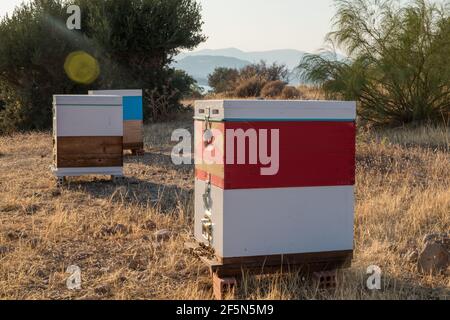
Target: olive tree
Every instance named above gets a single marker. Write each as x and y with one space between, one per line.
133 42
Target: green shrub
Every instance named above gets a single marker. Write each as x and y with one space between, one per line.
273 89
223 79
399 61
133 42
164 100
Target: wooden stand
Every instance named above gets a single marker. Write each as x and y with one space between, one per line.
227 272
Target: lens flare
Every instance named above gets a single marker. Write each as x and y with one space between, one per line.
81 67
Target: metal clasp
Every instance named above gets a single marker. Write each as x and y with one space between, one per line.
207 199
207 224
207 227
207 133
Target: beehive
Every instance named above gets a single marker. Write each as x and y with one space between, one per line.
87 135
301 207
133 117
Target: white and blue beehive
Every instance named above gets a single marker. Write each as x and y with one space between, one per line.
133 117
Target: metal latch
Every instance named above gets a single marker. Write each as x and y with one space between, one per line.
207 227
207 199
207 224
207 133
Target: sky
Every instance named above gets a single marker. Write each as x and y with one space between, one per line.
254 25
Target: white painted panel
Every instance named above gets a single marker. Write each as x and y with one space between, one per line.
123 93
81 100
261 222
89 121
285 221
277 110
76 172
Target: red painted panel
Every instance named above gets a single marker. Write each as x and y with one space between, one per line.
311 154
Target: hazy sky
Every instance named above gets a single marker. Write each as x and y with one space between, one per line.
267 24
258 24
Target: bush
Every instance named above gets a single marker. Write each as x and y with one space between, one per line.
164 100
273 89
291 93
196 92
223 79
249 88
132 41
399 61
267 73
250 80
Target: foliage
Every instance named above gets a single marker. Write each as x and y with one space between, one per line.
223 79
249 80
273 89
399 60
132 40
266 73
249 88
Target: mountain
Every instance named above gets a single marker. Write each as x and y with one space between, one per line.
200 66
289 57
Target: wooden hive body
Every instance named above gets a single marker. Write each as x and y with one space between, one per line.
305 207
88 135
133 117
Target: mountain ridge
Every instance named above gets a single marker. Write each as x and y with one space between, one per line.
199 64
290 57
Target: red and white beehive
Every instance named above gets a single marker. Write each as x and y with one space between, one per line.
299 205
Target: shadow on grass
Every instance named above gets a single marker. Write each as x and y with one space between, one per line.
161 160
146 188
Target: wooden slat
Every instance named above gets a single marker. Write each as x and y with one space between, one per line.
89 162
289 258
133 132
309 262
82 152
89 145
133 146
307 268
216 170
304 263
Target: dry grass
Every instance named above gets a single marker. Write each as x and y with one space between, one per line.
311 92
403 193
305 92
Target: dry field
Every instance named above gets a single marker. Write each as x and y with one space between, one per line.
403 194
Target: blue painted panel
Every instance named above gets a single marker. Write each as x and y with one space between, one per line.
132 108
